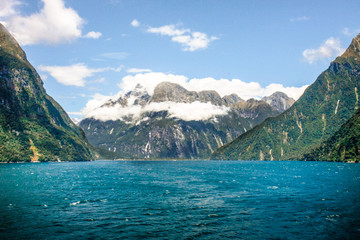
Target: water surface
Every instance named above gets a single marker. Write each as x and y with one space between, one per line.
180 200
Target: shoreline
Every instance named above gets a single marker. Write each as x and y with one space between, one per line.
173 160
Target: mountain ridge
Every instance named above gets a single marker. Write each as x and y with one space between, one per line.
173 122
33 126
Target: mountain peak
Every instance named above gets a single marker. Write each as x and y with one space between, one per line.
173 92
354 48
167 91
231 99
279 100
10 45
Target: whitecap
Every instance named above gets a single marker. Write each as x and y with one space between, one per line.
74 203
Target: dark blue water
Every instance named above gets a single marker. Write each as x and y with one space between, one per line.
180 200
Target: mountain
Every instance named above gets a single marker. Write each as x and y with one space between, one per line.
325 105
343 145
280 101
171 122
33 127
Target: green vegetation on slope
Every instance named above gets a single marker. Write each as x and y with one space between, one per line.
33 127
327 104
344 145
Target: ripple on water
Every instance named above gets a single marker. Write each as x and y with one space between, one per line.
180 200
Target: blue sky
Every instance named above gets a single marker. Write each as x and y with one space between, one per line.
86 49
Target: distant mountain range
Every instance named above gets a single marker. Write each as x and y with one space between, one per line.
33 126
173 122
325 106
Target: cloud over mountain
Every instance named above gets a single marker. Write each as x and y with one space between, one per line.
145 83
223 86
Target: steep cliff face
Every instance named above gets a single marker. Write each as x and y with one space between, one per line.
33 127
327 104
172 123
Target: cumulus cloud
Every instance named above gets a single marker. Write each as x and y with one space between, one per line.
191 41
92 34
135 23
53 24
329 49
75 74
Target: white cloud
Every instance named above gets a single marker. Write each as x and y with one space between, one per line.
168 30
198 110
245 90
75 74
191 41
135 23
8 7
329 49
138 70
224 87
299 19
53 24
92 34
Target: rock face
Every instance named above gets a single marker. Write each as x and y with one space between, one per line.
33 127
172 123
327 104
279 101
173 92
